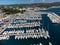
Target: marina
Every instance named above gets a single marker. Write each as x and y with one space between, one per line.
29 22
30 19
7 22
25 21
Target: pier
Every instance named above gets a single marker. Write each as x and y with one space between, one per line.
54 17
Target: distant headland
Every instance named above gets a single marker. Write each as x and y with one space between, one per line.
45 5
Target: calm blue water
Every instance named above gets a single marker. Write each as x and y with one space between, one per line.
55 10
54 31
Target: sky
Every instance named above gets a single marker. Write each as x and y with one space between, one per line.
4 2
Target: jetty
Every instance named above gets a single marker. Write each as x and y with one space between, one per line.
54 17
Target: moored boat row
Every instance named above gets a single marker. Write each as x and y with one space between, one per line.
4 37
42 44
33 33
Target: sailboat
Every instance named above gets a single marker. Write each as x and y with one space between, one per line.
40 32
50 43
40 44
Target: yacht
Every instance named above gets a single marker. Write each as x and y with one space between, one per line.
3 37
40 44
47 33
50 43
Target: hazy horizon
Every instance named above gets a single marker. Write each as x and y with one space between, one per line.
8 2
